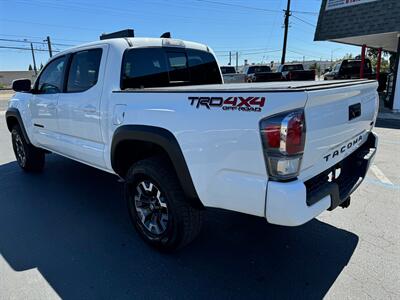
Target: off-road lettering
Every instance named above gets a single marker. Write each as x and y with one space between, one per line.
229 103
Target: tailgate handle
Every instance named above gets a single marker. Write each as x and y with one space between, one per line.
354 111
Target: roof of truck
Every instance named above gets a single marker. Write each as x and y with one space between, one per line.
139 42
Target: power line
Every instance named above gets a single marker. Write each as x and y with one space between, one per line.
304 21
305 12
238 5
24 48
34 42
255 8
39 37
304 54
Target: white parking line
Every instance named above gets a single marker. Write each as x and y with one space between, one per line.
2 113
379 174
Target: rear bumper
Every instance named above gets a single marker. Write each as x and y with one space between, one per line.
296 202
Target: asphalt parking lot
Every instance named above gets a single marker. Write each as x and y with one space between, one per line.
66 233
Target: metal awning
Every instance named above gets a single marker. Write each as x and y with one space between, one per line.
387 41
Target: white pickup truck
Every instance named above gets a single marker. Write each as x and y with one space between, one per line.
154 111
230 75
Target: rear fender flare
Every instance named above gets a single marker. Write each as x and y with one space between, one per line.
165 139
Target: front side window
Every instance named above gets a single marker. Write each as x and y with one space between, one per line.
84 70
160 67
51 79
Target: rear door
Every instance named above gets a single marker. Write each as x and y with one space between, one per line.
43 104
337 123
79 106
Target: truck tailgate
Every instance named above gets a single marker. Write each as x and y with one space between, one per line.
337 122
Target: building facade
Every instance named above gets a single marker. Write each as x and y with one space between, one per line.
369 23
7 77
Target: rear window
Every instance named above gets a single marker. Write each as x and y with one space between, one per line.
228 70
293 68
353 66
258 69
160 67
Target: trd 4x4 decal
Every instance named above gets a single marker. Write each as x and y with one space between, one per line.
230 103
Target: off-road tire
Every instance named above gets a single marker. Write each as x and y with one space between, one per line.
184 221
29 157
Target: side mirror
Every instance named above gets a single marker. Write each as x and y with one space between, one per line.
21 85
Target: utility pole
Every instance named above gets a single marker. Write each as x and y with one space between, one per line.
34 61
230 58
237 61
49 46
287 15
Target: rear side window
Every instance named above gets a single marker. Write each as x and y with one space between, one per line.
51 79
84 70
160 67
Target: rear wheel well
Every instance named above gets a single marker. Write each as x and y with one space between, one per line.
130 151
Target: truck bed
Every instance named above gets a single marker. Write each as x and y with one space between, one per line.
255 87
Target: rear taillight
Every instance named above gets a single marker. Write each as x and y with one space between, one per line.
283 138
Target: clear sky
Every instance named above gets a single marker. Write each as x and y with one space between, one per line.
254 28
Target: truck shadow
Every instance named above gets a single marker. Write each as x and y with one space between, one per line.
70 223
388 123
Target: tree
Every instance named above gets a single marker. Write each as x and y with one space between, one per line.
348 56
41 66
373 56
30 67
